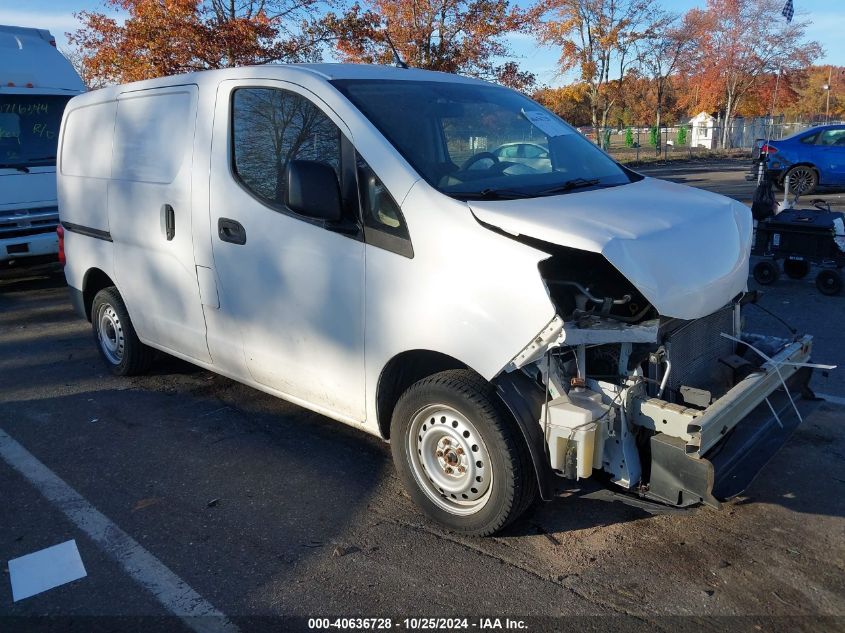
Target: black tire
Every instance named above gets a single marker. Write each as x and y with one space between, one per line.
128 356
796 269
472 400
829 282
803 180
766 272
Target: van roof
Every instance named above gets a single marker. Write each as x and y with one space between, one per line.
326 72
31 62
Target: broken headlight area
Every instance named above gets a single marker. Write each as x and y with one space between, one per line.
678 411
582 285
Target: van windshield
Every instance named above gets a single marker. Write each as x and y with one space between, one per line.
474 141
29 129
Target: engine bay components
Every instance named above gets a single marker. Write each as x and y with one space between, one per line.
574 432
652 406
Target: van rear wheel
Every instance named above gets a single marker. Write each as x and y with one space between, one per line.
116 339
460 455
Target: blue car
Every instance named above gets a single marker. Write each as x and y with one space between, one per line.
811 159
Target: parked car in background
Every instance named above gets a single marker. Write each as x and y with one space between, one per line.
534 155
809 160
36 82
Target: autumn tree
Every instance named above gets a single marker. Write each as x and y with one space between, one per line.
165 37
633 105
812 98
597 37
660 53
571 103
455 36
743 42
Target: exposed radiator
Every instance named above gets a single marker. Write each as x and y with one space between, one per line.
694 349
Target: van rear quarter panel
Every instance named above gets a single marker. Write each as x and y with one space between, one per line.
84 254
84 162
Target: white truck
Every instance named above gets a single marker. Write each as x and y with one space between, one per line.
348 238
36 82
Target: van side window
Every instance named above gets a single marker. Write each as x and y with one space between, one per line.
271 127
378 207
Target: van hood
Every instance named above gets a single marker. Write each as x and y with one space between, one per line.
686 250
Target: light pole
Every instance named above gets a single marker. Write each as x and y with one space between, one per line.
826 88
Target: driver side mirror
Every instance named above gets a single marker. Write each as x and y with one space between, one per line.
313 190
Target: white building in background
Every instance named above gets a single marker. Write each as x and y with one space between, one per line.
703 131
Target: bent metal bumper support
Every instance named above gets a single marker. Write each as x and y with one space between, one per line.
702 430
721 449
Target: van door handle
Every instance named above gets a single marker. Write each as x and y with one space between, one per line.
231 231
168 220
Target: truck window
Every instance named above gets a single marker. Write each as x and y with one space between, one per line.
271 127
29 129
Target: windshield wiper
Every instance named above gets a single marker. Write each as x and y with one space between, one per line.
569 185
509 194
37 159
30 162
491 194
19 167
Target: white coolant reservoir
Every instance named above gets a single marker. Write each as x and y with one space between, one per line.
571 431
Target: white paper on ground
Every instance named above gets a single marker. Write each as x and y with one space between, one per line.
45 569
546 123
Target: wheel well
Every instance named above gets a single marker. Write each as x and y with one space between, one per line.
804 164
402 371
95 280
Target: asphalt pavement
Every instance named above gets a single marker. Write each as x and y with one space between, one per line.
188 493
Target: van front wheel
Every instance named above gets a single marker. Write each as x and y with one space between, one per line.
116 339
460 455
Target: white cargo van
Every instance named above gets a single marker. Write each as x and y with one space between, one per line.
352 239
36 82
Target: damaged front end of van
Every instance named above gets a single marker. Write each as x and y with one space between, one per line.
645 377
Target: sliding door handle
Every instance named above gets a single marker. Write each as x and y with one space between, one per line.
168 221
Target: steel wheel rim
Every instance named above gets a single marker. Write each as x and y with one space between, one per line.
449 460
110 333
800 180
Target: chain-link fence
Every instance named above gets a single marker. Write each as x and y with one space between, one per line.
702 137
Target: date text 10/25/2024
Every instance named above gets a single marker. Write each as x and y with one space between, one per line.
419 624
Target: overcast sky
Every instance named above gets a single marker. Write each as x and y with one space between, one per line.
828 28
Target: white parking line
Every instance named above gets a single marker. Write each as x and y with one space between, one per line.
172 592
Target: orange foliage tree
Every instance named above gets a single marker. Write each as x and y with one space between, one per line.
742 44
455 36
812 98
597 38
166 37
571 102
